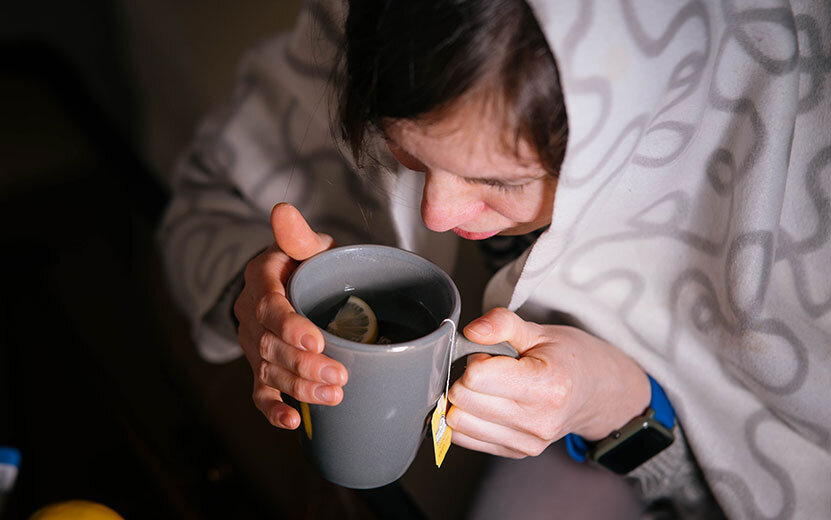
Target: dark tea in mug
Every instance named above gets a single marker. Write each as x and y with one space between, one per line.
400 318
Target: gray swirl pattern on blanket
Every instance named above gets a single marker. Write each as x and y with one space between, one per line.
723 250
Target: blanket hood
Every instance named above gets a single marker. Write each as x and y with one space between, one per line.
691 226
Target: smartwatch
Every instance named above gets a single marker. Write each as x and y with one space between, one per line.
638 441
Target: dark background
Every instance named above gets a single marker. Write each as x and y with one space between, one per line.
100 387
90 391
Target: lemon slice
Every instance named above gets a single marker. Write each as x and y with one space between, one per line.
355 321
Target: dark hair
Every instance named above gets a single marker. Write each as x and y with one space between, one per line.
411 60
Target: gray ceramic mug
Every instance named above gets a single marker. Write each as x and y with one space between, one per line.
372 436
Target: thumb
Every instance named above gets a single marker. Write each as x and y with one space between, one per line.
293 234
500 324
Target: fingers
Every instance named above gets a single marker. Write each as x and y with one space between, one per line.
275 313
525 380
500 324
300 388
307 376
294 362
307 365
264 299
283 348
290 360
477 434
460 439
293 234
270 403
495 409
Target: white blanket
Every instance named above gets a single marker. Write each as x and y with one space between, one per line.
691 226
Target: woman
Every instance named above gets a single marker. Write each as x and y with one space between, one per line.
684 215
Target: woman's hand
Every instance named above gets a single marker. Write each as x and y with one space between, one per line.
284 348
565 380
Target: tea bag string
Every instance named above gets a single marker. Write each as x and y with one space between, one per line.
452 352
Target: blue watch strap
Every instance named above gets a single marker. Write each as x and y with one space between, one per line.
660 404
577 446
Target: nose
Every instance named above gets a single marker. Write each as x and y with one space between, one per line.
448 202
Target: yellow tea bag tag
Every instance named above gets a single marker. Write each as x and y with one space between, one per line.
441 431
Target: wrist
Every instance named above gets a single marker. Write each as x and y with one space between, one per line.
622 394
636 442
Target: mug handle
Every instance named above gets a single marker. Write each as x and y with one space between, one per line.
465 347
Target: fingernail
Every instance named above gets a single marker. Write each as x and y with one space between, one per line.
330 374
323 393
308 342
480 328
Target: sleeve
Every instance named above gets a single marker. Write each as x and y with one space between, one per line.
272 142
211 229
672 479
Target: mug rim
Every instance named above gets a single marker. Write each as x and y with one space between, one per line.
421 342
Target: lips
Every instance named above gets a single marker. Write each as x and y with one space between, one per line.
470 235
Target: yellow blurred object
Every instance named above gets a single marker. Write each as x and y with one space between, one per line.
76 510
307 419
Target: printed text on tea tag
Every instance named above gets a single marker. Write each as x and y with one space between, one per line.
441 431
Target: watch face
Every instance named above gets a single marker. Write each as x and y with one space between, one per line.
633 448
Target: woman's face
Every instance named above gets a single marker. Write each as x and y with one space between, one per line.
474 185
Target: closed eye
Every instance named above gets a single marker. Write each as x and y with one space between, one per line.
493 183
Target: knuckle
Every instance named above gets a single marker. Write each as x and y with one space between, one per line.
263 371
453 395
517 455
238 311
250 269
302 365
265 344
541 393
474 374
560 393
534 449
261 402
544 430
502 314
553 427
263 308
539 430
455 419
501 311
292 323
296 388
523 448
